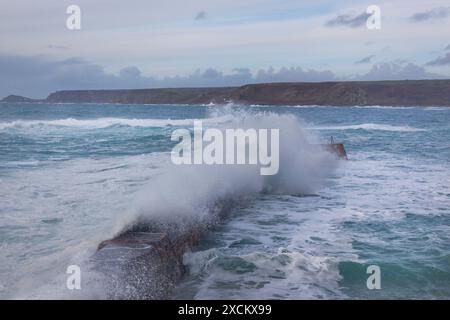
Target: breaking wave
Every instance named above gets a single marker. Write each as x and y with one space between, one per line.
371 126
108 122
192 191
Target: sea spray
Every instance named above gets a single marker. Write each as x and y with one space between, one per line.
188 193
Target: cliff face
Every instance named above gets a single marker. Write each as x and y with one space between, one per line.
144 96
385 93
15 99
301 94
363 93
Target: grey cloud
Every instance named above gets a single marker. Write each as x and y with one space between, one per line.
433 14
211 73
447 47
130 72
348 20
365 60
441 61
398 71
201 15
399 62
36 76
57 47
241 76
243 71
293 74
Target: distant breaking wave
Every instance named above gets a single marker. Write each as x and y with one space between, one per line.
108 122
371 126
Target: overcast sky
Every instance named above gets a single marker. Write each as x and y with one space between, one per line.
149 43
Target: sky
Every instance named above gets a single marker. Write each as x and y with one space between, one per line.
188 43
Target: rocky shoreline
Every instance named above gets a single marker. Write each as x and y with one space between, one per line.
361 93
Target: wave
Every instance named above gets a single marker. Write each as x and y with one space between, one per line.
193 190
370 127
386 107
436 108
288 274
101 123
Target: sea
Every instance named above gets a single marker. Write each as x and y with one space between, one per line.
73 175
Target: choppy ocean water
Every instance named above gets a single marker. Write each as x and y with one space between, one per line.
72 175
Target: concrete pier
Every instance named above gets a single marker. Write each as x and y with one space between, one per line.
146 262
142 265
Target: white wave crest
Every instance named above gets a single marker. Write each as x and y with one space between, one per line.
100 123
370 127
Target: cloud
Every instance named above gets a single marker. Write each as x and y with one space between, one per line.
293 74
241 76
398 71
130 72
37 76
201 15
447 47
365 60
348 20
433 14
440 61
211 73
57 47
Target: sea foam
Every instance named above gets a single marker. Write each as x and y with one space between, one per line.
100 123
371 126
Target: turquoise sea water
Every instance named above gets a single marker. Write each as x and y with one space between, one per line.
71 174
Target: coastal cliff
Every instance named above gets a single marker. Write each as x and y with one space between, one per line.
362 93
302 94
144 96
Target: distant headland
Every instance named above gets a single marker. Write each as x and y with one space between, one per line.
345 93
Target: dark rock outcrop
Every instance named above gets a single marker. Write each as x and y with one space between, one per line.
16 99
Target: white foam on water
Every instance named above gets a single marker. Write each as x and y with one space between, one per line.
55 215
384 107
436 108
370 127
108 122
294 254
284 274
303 262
